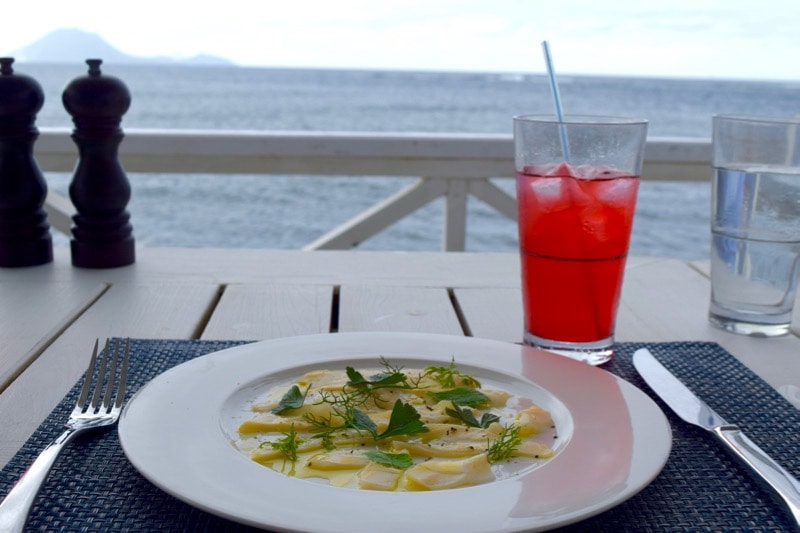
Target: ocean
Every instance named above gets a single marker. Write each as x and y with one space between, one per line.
672 218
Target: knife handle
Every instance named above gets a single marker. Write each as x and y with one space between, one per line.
771 473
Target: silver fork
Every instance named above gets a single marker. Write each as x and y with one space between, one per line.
89 413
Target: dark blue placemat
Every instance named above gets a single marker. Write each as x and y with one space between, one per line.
93 487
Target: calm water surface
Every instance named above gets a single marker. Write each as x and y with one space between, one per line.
672 219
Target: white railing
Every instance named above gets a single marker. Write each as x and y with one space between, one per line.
453 166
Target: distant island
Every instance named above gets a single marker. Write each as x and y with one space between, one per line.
73 45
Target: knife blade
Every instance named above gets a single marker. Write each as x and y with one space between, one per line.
694 411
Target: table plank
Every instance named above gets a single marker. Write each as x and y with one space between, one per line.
663 301
32 315
390 308
492 313
258 312
138 309
229 266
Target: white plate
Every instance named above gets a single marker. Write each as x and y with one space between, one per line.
178 432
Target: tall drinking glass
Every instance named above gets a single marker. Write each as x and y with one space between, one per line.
577 182
755 223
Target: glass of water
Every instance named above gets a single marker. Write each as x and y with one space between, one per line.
755 223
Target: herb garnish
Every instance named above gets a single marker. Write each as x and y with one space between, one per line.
446 376
461 396
287 445
404 420
344 406
293 399
501 449
391 377
393 460
468 417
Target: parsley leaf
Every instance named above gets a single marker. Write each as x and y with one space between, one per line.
359 420
394 460
461 396
387 378
392 376
293 399
356 378
404 420
466 416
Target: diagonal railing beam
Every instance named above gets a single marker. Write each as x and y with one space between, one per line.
492 195
59 212
381 215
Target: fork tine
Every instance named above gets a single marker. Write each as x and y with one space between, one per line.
123 376
87 378
112 374
98 388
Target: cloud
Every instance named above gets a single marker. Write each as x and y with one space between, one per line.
717 38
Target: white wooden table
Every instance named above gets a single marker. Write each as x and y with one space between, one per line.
50 315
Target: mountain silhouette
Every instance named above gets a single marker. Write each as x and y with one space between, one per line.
73 45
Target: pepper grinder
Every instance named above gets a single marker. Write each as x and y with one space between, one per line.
24 232
102 233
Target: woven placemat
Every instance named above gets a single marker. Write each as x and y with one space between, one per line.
94 488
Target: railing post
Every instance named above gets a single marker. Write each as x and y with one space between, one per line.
454 232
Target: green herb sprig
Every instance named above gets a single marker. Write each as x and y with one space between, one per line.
468 417
461 396
404 420
287 445
503 447
446 376
345 407
392 460
392 376
293 399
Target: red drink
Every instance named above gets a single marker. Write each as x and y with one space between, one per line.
574 226
574 232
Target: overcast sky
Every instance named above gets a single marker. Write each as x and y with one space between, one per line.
757 39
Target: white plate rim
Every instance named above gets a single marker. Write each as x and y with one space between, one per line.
196 464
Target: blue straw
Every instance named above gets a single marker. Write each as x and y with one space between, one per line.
556 99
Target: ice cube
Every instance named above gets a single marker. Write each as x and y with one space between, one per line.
596 172
617 192
545 190
561 170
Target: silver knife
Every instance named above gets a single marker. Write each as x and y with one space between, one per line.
694 411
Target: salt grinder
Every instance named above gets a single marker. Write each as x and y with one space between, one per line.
102 236
24 232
